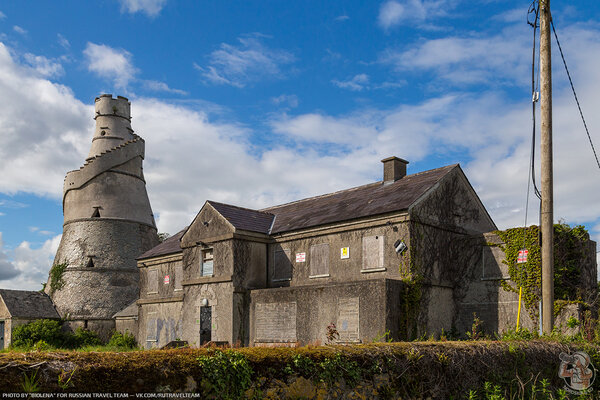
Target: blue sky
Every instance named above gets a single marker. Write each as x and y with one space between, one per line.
259 103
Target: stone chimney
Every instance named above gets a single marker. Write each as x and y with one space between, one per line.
394 168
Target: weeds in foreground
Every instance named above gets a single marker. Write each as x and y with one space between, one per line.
64 378
31 383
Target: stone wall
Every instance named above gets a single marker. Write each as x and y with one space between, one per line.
96 293
302 252
361 311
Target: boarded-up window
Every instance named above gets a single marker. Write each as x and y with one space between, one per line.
178 276
319 260
348 319
152 328
282 265
207 262
373 252
493 267
275 322
152 281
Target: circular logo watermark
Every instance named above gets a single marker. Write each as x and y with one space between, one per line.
577 371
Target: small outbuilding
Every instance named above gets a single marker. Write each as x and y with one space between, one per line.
126 319
19 307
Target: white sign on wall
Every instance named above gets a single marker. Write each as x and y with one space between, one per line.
300 257
345 252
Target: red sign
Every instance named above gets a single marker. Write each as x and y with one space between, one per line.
300 257
167 279
522 257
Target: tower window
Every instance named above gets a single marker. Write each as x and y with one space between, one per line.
90 262
96 213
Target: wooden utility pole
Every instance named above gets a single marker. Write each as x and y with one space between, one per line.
547 217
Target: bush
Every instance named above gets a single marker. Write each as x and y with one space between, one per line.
83 337
45 330
123 340
226 374
42 334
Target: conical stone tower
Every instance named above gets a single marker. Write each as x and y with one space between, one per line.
108 223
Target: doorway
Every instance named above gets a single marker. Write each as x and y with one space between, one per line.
205 324
1 335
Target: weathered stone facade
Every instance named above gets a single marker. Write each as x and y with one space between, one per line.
408 256
108 223
282 275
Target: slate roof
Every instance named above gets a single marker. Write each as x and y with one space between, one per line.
359 202
169 246
363 201
28 304
245 218
129 311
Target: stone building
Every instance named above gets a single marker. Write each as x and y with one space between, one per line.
395 259
281 275
19 307
108 222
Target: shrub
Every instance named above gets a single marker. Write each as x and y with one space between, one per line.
42 334
123 340
46 330
226 374
83 337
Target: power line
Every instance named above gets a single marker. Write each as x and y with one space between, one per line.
574 93
533 12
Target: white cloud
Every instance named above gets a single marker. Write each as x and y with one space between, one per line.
7 269
291 100
33 264
248 62
342 18
2 15
390 13
502 59
24 267
357 83
109 63
19 30
149 7
44 66
63 41
162 87
412 12
44 131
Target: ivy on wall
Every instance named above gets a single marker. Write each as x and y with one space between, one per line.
569 254
56 277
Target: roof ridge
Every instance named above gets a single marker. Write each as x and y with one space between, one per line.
238 207
354 188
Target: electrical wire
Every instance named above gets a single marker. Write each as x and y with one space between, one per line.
533 12
574 93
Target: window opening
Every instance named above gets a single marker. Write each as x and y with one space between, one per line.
207 262
282 265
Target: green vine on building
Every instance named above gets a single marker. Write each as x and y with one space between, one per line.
569 254
56 277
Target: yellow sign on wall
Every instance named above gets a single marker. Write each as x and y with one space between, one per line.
345 252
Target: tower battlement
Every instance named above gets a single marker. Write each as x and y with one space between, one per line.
113 124
107 105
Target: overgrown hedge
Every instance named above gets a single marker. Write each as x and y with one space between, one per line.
383 370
